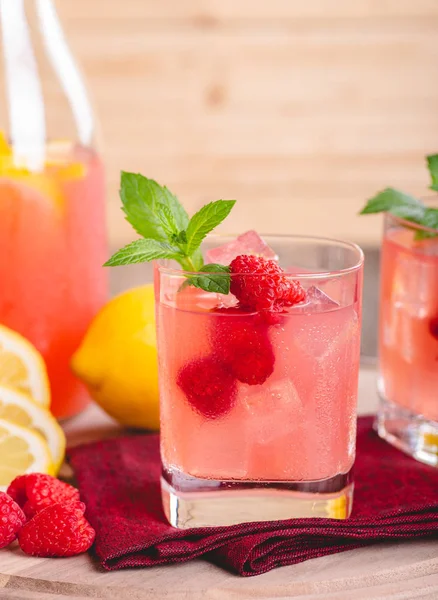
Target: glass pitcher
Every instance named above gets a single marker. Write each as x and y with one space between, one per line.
52 197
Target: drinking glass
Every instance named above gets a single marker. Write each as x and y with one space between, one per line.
52 196
408 339
268 450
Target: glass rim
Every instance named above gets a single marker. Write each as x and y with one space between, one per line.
430 201
358 264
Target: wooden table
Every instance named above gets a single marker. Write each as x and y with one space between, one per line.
396 571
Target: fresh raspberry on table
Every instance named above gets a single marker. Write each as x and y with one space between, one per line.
242 342
262 285
35 491
57 530
209 386
12 519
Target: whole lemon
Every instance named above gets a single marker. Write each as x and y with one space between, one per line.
117 359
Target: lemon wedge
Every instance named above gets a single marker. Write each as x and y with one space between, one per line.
22 367
21 409
22 451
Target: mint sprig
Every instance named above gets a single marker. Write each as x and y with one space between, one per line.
167 232
408 207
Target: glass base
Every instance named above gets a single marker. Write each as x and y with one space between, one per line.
407 431
193 502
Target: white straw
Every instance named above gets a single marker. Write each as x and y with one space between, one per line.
23 88
65 67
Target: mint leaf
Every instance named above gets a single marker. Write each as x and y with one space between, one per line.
432 165
390 200
138 207
430 219
406 207
141 198
204 221
414 213
167 220
214 278
143 251
421 234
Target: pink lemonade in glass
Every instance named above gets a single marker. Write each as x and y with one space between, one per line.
278 439
408 385
52 247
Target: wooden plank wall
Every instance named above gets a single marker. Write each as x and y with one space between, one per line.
300 110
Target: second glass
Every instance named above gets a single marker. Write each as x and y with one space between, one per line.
274 450
408 339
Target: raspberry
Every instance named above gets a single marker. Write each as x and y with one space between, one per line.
433 327
17 490
57 530
294 294
35 491
12 519
242 342
262 285
209 386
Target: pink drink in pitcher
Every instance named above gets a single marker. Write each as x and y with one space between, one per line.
53 244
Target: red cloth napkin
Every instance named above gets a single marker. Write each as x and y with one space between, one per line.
119 480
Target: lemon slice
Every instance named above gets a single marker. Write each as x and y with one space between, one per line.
70 172
338 508
22 366
22 451
5 149
431 439
48 183
21 409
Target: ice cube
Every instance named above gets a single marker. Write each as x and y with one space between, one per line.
227 301
322 333
247 243
399 331
218 449
316 297
194 299
429 246
415 285
272 410
316 301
